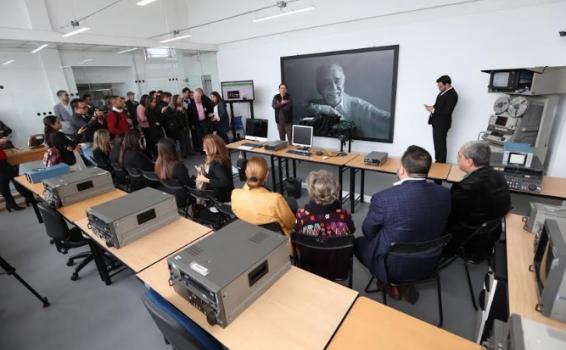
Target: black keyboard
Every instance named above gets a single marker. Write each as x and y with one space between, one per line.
299 152
253 145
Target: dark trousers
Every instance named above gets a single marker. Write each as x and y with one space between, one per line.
201 130
7 174
362 251
439 134
285 128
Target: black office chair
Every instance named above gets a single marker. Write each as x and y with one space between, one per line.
136 180
151 179
331 257
120 178
181 195
414 254
476 248
64 238
203 211
177 329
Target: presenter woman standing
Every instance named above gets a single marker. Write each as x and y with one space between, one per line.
283 106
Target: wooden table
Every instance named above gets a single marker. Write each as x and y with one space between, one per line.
371 325
77 211
300 311
438 171
36 188
24 155
236 146
153 247
551 187
523 293
326 158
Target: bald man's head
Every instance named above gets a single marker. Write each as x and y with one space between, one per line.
330 81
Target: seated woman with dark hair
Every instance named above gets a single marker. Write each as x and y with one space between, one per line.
131 155
217 169
56 139
323 215
168 166
256 204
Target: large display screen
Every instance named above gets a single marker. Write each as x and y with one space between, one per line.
242 90
354 88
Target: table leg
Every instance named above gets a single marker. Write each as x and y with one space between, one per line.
99 254
340 176
352 190
273 175
294 168
286 168
36 210
362 184
99 267
280 175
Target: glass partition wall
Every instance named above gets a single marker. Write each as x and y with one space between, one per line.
29 81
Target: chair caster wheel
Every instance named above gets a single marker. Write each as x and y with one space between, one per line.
74 277
70 263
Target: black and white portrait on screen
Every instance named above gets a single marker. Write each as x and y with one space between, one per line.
355 86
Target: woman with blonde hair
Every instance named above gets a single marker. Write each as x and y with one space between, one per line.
256 204
216 174
101 149
323 215
168 166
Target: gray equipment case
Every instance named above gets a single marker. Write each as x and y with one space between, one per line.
78 186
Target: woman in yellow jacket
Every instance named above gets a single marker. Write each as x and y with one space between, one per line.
256 204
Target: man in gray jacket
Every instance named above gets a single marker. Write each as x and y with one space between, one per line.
64 111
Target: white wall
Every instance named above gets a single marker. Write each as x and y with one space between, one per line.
458 41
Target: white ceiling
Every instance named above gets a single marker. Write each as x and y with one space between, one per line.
127 24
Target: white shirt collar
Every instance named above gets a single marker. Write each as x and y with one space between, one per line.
117 110
409 179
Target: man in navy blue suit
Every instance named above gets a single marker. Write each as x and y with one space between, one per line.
413 210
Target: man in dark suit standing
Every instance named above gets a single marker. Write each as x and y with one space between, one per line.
413 210
481 196
441 116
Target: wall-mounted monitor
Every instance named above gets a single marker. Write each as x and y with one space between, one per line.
234 91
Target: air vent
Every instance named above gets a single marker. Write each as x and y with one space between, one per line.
258 237
194 250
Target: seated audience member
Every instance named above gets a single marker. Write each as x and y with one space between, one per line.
323 215
168 166
217 174
256 204
131 155
117 120
481 196
101 149
56 139
413 210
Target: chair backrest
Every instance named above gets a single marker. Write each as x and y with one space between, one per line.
273 226
180 192
479 245
120 175
330 257
137 182
179 330
55 225
417 260
151 179
203 195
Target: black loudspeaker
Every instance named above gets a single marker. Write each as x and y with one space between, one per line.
292 187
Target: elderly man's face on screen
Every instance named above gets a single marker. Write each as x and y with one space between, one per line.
330 83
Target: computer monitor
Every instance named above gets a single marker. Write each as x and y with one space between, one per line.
256 129
302 136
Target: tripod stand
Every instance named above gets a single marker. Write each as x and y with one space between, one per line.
10 270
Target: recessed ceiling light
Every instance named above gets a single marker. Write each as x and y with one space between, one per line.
144 2
175 38
8 62
282 14
75 32
40 48
127 50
